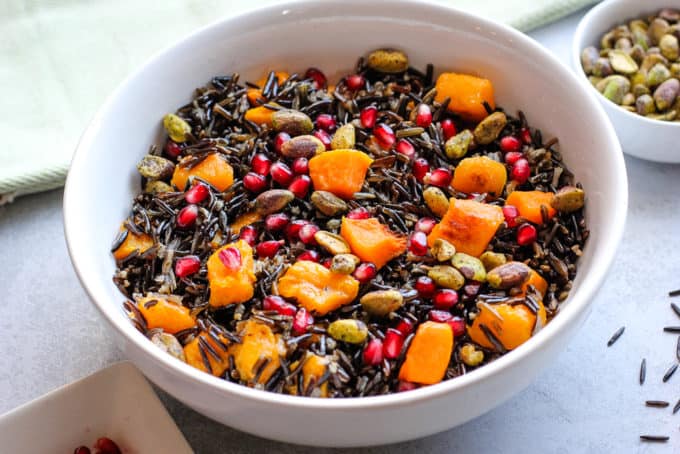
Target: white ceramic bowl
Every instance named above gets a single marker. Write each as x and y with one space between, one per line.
640 137
330 35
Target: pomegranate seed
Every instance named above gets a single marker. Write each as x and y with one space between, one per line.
318 78
197 193
510 212
420 168
302 321
368 116
425 225
406 148
327 263
510 144
448 128
521 171
187 216
275 222
268 248
425 287
423 116
254 182
82 450
405 326
440 177
384 135
300 186
417 243
278 304
293 229
394 340
280 139
307 233
373 352
405 386
457 324
358 213
526 234
248 234
526 136
324 137
439 316
311 256
365 272
261 164
445 298
230 258
512 157
281 173
106 446
186 266
301 166
355 82
325 122
173 149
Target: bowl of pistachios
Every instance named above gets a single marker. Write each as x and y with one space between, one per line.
627 51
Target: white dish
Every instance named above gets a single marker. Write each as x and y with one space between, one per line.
330 35
641 137
116 402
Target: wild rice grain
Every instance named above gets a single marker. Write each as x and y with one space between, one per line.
672 329
643 371
669 373
674 293
615 336
655 438
657 403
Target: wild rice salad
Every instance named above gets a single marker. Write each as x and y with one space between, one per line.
374 236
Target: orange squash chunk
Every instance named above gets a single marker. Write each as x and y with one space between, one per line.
316 288
229 286
428 355
260 115
468 225
537 281
480 175
164 313
257 341
467 94
529 203
133 243
244 220
314 367
512 325
218 359
341 172
372 241
214 169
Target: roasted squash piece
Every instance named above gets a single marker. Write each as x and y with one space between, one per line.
258 344
372 241
480 175
214 169
467 93
511 325
203 351
428 355
529 203
315 367
341 172
244 220
164 312
132 243
233 281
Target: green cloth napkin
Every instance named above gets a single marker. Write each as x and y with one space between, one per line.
59 59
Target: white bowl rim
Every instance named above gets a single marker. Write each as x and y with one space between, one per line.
580 298
586 24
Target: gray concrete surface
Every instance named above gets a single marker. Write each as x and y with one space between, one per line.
587 401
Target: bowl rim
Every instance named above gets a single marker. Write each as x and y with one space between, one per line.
586 24
581 298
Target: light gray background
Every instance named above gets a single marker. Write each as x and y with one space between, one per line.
587 401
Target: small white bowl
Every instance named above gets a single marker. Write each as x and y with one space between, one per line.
641 137
330 35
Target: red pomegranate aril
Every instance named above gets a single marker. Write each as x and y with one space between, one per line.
324 137
278 304
300 186
368 116
325 122
355 82
261 164
510 212
302 321
510 144
307 233
439 316
384 135
268 248
420 169
525 133
280 139
187 216
373 352
275 222
230 258
417 243
327 262
197 193
106 446
358 213
254 182
405 386
392 344
445 298
526 234
318 78
425 287
405 326
248 234
82 450
281 173
512 157
173 149
293 229
425 225
520 171
187 266
448 128
406 148
309 255
423 116
301 166
457 324
440 177
365 272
